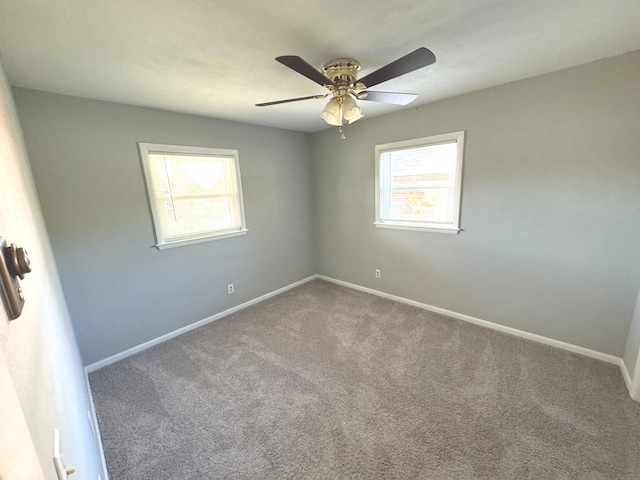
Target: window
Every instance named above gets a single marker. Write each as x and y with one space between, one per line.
194 193
418 183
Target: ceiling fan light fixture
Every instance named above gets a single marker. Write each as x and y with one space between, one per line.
350 109
332 113
355 118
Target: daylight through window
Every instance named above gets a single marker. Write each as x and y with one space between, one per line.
418 184
194 193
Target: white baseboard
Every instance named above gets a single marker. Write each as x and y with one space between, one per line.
139 348
627 378
96 426
634 384
605 357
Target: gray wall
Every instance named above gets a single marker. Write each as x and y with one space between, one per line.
550 206
121 291
39 347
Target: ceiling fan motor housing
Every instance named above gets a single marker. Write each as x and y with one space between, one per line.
341 71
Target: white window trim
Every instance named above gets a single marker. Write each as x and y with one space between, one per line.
458 137
157 148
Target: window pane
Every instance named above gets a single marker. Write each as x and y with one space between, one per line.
419 182
430 168
190 217
181 176
185 186
430 165
424 205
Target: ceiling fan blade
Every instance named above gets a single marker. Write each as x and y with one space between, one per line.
387 97
289 100
303 68
413 61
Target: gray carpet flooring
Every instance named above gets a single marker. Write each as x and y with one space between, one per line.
325 382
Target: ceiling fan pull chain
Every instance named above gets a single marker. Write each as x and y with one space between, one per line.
341 133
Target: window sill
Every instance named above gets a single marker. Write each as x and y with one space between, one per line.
191 241
417 228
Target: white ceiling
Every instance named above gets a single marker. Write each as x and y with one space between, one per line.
216 57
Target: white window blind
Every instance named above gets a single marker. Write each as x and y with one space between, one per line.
419 183
194 193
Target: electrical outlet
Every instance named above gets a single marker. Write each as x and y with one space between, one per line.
377 273
230 288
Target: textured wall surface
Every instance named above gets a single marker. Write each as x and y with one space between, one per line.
39 347
550 206
121 291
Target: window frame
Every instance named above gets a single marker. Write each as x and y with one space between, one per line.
147 149
454 227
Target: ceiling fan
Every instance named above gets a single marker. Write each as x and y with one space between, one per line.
340 77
